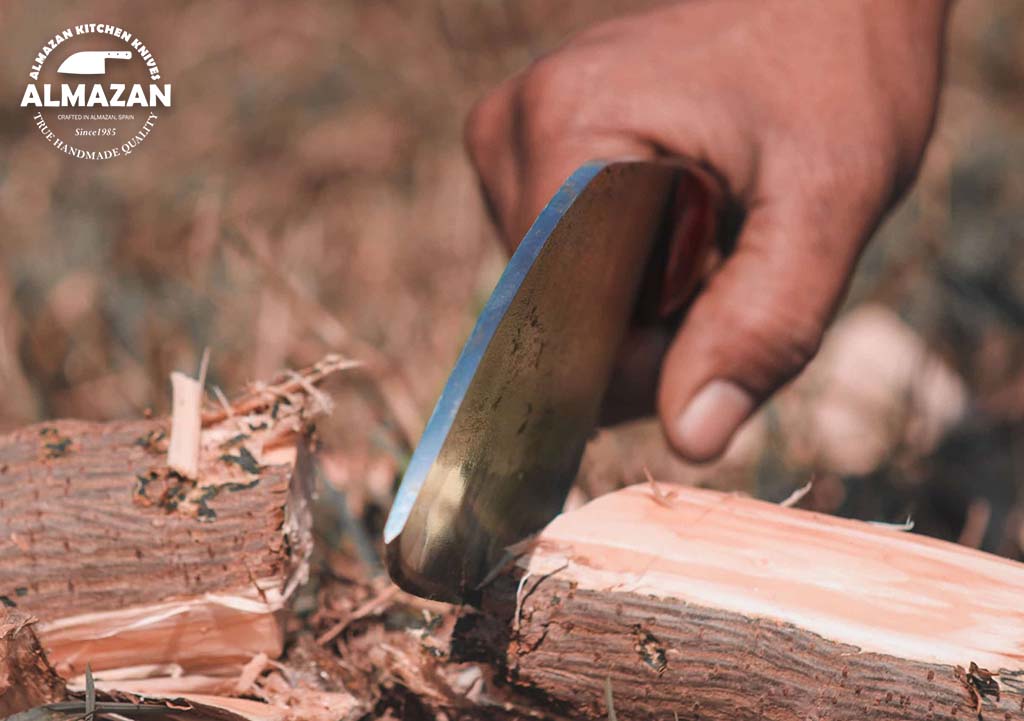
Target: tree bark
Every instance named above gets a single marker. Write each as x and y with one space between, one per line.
26 677
659 601
700 605
126 563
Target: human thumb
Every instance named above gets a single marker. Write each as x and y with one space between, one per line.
757 322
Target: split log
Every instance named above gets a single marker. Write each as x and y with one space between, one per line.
127 563
692 604
662 601
26 677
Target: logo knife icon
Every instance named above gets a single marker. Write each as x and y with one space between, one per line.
91 62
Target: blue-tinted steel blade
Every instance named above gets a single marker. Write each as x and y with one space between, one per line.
504 443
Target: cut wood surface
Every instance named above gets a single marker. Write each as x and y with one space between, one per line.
94 547
126 563
26 677
662 601
716 606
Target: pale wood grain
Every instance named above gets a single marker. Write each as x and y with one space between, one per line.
715 606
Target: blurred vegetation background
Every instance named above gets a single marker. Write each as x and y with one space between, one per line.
308 193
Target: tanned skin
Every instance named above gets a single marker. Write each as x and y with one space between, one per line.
815 114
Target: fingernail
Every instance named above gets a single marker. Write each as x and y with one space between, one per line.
706 425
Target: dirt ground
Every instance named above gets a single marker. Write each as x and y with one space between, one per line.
308 193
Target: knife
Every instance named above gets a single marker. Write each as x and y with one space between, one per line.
91 62
620 241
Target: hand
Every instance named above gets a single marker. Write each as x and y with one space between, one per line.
816 114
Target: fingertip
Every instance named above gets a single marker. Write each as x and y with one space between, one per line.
702 429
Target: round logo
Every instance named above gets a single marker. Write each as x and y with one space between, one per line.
95 91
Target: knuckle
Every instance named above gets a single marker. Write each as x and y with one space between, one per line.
864 168
548 95
481 132
841 193
855 158
779 341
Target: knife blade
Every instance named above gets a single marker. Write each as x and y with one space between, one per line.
501 449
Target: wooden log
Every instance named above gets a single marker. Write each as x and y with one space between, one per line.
693 604
26 677
127 563
662 601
